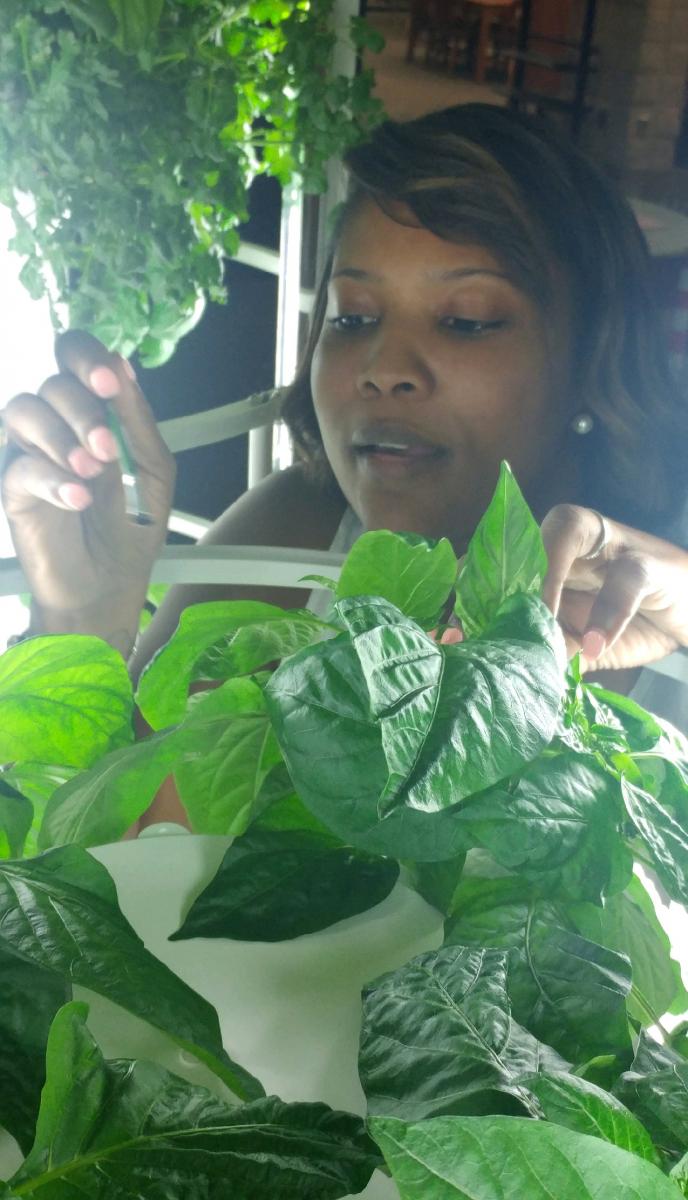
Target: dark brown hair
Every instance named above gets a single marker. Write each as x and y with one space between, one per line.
485 174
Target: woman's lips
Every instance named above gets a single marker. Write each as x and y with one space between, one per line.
380 460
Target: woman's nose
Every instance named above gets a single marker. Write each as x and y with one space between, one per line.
394 368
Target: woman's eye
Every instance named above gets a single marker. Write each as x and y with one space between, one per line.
471 328
350 322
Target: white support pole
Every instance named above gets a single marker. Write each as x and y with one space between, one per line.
261 452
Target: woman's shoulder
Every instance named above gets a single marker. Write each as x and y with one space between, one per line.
287 508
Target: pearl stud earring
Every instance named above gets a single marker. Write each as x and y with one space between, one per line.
582 423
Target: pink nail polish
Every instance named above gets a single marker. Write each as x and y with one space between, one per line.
101 441
83 463
104 382
74 495
594 644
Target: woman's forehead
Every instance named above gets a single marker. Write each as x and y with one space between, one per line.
380 242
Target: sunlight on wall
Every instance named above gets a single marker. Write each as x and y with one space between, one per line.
26 358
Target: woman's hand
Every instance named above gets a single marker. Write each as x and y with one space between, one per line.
86 561
624 608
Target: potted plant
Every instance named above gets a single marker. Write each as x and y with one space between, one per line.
454 826
131 130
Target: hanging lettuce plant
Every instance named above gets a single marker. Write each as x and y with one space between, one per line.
131 130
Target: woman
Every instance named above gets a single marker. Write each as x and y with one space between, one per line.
486 298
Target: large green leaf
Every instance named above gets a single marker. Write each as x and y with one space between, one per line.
29 999
260 643
63 699
37 781
659 810
164 685
124 1130
99 805
226 750
568 991
628 924
220 756
656 1090
59 911
559 825
414 573
319 709
438 1037
578 1104
386 713
16 816
275 885
455 719
511 1158
679 1174
506 555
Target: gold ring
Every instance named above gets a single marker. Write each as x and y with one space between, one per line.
601 542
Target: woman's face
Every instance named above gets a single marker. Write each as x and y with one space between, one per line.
432 367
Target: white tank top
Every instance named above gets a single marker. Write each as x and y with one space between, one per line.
662 688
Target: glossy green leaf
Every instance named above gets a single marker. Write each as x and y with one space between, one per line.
164 685
98 806
226 750
275 885
580 1105
413 573
566 990
63 699
558 825
511 1158
656 1090
659 811
29 999
386 714
437 882
16 816
38 782
679 1174
220 756
438 1037
260 643
131 1129
454 719
628 924
319 710
59 911
505 556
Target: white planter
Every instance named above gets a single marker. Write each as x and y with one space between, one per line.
289 1011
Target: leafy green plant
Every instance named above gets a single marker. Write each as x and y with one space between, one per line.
131 130
527 1056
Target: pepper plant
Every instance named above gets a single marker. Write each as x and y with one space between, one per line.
533 1054
131 130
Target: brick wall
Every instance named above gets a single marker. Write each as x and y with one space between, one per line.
638 94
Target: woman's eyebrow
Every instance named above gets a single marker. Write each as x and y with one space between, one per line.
433 276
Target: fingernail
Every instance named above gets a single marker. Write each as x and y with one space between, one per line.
594 643
451 636
104 382
74 495
127 367
103 443
83 463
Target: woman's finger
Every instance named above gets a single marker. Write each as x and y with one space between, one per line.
111 378
570 532
33 424
627 581
31 477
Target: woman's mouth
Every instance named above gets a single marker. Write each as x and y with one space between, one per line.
393 446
